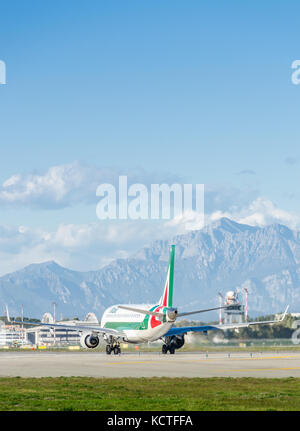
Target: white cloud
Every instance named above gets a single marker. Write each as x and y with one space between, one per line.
80 247
291 160
92 245
189 220
246 172
260 212
66 185
75 183
59 187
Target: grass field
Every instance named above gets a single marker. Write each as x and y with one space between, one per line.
154 394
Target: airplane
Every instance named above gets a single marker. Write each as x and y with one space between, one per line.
142 323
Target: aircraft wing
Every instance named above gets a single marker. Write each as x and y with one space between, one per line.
186 329
205 328
78 328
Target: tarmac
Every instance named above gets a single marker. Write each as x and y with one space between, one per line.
182 364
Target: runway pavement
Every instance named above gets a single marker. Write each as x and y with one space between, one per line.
92 364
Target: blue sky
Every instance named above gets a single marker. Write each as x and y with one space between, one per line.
198 90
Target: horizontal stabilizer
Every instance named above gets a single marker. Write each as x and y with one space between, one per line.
199 311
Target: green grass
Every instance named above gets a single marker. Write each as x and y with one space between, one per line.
156 394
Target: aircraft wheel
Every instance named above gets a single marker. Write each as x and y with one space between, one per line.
116 350
164 349
172 350
108 349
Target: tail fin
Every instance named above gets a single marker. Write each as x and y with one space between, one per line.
167 298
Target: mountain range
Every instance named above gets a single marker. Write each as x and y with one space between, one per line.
222 256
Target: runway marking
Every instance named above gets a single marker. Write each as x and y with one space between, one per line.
242 359
267 369
132 362
197 360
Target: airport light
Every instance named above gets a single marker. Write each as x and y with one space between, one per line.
54 315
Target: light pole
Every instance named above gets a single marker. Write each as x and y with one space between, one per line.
54 315
246 304
220 305
22 317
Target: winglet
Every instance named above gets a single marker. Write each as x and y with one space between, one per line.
284 314
7 313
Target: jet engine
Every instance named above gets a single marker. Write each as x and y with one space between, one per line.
171 314
89 341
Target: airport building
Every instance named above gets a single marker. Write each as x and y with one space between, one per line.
43 336
11 335
235 311
15 335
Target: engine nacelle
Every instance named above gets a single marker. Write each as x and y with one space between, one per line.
89 341
177 341
171 314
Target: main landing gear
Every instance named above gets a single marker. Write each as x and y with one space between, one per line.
110 348
167 347
172 343
113 345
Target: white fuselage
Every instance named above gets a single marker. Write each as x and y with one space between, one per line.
137 327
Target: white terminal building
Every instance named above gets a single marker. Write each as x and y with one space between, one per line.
43 336
13 334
